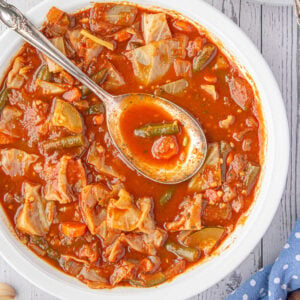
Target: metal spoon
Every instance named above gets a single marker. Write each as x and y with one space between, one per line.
297 10
114 105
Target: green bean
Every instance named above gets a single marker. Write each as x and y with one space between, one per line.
95 109
3 98
188 253
64 142
153 130
149 280
43 244
166 197
98 77
204 58
44 73
154 279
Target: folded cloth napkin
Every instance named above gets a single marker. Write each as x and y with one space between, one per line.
275 281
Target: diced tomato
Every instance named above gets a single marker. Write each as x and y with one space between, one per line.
72 95
183 26
240 91
218 214
5 139
98 120
229 159
122 36
165 147
73 229
194 47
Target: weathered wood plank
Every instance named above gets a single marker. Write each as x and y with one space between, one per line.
279 47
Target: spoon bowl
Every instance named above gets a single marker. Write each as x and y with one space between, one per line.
179 172
175 173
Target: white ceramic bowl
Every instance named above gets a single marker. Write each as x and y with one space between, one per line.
246 236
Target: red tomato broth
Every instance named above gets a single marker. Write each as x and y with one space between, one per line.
137 116
208 111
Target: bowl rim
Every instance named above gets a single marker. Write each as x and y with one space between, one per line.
276 166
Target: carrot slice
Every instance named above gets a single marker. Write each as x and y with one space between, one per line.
55 15
5 139
73 229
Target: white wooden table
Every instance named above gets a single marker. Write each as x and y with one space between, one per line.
274 31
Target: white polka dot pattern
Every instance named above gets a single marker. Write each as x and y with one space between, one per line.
275 281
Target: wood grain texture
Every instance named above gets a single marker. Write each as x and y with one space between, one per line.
274 31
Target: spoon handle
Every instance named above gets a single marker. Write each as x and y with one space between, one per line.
297 10
16 21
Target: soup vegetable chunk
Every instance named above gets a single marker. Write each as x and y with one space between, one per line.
64 188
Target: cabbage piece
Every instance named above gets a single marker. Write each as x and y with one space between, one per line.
57 188
96 157
14 79
59 43
155 27
96 21
210 89
114 78
108 236
36 215
84 46
10 122
115 251
145 243
93 277
66 115
75 38
92 198
122 214
16 162
123 270
175 87
92 52
190 216
123 15
183 68
146 223
209 175
151 62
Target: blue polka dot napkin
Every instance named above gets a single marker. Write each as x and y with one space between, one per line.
275 281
